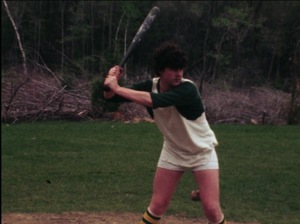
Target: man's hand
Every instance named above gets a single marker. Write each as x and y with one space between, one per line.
116 71
114 74
111 80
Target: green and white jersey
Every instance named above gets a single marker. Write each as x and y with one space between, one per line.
179 115
188 138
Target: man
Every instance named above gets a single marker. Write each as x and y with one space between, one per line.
189 143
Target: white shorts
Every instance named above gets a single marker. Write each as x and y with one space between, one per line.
213 163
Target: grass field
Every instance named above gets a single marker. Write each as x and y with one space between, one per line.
109 166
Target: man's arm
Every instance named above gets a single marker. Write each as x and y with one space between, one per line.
140 97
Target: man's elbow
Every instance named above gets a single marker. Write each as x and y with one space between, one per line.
148 103
108 95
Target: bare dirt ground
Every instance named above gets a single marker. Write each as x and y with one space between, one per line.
91 218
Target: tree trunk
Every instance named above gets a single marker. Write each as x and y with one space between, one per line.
37 35
92 33
110 26
83 38
271 65
125 49
18 37
295 91
204 70
117 34
218 54
62 5
238 56
103 36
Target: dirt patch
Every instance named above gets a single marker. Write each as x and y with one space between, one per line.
91 218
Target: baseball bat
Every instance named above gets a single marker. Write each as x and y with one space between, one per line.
139 35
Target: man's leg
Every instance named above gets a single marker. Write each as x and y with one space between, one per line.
208 184
164 186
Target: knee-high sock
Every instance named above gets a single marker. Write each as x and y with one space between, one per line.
148 218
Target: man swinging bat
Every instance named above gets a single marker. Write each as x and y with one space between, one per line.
189 143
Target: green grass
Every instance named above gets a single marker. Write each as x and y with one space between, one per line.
109 166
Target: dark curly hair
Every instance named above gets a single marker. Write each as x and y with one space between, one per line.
169 55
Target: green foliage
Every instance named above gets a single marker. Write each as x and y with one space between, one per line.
235 19
99 105
109 166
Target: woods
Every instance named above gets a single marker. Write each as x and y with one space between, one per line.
241 43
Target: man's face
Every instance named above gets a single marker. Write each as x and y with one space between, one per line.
171 77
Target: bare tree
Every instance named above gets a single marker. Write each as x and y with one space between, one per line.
17 35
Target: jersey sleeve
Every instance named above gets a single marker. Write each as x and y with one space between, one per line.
178 96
